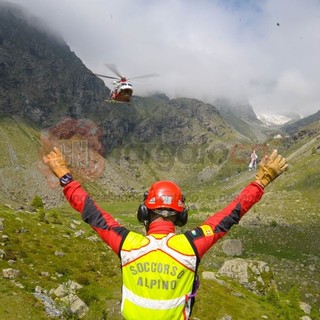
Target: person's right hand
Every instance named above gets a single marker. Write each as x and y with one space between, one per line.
55 161
270 168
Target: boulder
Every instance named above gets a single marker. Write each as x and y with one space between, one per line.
235 269
306 308
76 305
66 288
10 273
232 247
254 275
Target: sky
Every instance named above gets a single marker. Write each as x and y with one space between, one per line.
264 52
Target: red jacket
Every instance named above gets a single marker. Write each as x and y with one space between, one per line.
202 238
181 252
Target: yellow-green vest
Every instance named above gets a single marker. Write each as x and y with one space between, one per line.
158 276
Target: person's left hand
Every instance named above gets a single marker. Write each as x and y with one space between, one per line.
56 162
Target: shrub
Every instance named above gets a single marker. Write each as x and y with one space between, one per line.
273 224
37 202
83 280
54 217
62 270
294 298
88 295
273 296
42 216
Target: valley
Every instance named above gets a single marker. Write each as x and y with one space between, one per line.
48 98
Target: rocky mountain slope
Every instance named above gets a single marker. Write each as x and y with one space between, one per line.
243 119
63 103
40 78
295 127
48 97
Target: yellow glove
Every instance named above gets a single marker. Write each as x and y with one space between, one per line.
270 168
55 161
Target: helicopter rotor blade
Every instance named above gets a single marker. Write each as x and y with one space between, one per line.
150 75
108 77
114 69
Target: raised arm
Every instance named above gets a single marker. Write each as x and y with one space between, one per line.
216 226
102 222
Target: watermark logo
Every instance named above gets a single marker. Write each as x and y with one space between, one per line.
164 156
79 142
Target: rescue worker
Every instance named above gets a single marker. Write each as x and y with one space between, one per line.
253 160
159 270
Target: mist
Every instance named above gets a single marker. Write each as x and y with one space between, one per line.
263 52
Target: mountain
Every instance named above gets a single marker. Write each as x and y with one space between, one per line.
292 128
276 120
40 78
49 98
46 87
242 110
242 118
272 120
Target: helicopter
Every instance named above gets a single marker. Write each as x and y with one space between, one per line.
123 89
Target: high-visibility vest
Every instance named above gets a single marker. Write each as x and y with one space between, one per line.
158 275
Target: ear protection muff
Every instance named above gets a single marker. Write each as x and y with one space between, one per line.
143 213
182 217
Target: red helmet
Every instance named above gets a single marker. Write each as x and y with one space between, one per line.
164 194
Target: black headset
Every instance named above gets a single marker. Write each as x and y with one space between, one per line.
144 214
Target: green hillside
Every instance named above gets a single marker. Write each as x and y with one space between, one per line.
45 247
36 238
49 98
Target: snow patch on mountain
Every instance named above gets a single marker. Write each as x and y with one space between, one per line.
273 119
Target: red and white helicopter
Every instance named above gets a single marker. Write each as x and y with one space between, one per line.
123 89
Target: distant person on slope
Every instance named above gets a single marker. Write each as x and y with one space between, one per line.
253 160
159 270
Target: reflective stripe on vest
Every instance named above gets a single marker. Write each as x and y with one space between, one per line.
151 303
157 276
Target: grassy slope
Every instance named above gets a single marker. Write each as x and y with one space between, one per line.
280 230
20 177
19 142
33 242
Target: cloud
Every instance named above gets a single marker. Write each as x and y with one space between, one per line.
266 51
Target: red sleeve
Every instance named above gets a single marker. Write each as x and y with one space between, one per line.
102 222
216 226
